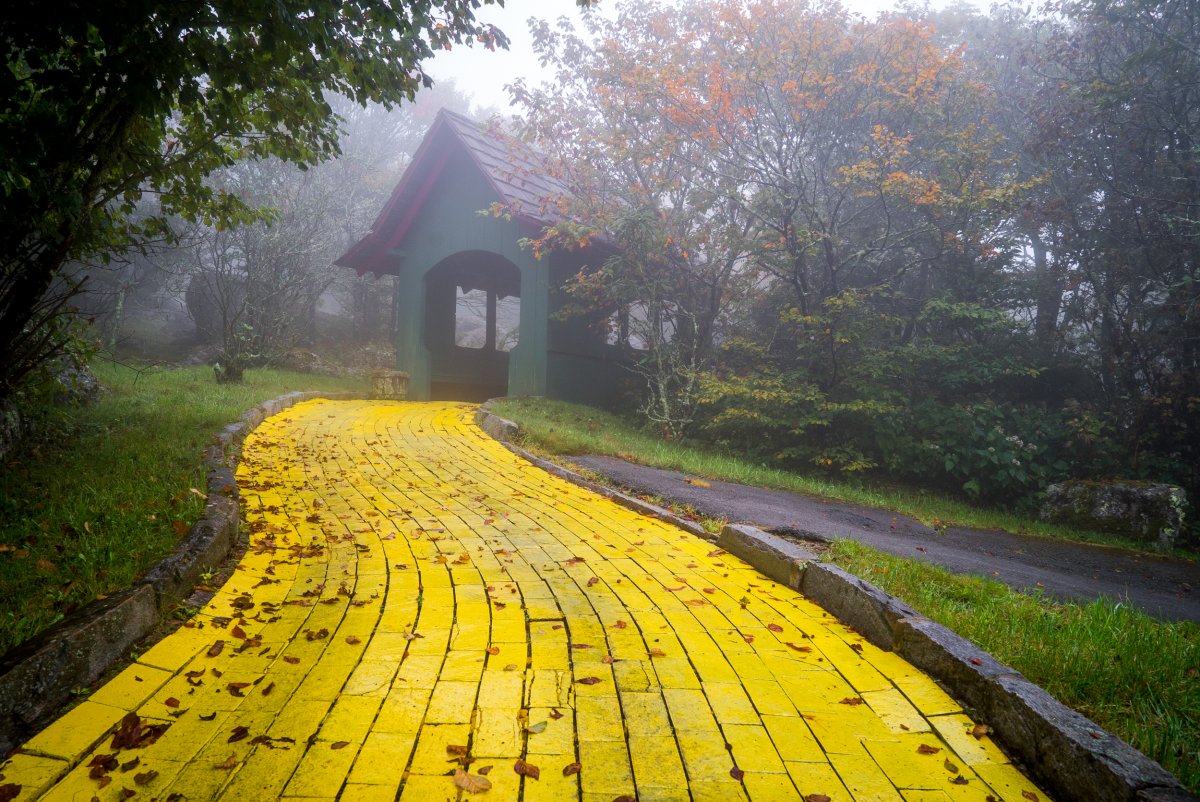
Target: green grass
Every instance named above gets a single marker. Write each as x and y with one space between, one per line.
88 512
1134 675
559 428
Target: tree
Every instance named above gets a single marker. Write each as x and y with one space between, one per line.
112 101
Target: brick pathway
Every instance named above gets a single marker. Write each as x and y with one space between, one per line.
416 599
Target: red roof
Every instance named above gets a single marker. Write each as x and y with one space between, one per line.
515 172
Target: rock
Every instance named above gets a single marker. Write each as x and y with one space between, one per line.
389 384
1142 511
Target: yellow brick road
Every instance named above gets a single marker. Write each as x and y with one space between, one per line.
416 599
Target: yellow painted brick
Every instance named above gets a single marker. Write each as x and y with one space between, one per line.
76 732
864 779
498 733
689 710
716 792
753 750
793 739
430 756
501 689
33 773
552 786
558 737
598 718
775 787
955 730
463 666
359 792
818 778
657 763
1008 784
730 704
425 788
350 719
895 711
607 767
924 796
675 672
370 678
645 714
705 757
451 702
381 760
926 695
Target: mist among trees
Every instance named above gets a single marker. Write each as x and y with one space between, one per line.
949 247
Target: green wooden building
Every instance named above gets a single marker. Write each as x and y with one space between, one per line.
449 259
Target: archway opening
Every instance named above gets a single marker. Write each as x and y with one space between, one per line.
472 321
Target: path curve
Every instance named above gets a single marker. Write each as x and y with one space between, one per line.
416 600
1167 587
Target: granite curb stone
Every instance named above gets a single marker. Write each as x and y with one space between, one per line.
1065 751
38 677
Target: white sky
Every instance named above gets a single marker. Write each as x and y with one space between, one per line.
482 75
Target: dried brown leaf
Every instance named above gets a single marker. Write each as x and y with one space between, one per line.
471 783
527 770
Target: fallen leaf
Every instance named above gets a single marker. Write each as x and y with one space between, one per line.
471 783
9 792
484 770
291 660
237 632
980 730
454 750
748 638
235 688
950 767
775 627
816 798
239 732
536 729
975 661
339 744
554 714
171 702
588 680
209 717
1030 795
657 652
798 648
717 553
853 701
571 768
696 602
511 667
960 780
926 749
607 659
493 650
527 769
620 625
267 690
228 764
709 590
736 773
145 777
216 648
593 581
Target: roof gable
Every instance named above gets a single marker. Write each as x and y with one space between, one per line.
515 173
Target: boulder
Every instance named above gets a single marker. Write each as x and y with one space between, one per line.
1141 511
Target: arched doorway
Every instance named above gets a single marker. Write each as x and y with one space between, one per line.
472 321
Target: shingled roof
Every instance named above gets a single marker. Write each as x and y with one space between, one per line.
516 173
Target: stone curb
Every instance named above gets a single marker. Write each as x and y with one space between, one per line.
1064 751
37 678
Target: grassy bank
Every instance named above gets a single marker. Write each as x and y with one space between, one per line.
86 513
1135 675
558 428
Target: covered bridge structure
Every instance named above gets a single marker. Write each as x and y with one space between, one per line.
459 270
